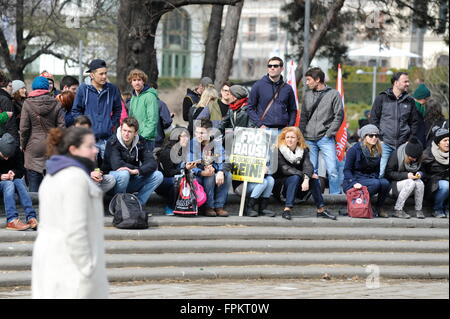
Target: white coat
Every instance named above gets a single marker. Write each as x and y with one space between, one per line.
69 253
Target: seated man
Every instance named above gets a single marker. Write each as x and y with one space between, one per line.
210 170
129 160
11 173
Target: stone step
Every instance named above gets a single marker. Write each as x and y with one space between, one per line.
249 259
256 233
261 246
23 278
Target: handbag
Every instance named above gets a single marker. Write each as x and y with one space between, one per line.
200 193
358 203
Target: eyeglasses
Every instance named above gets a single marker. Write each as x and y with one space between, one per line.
373 135
276 66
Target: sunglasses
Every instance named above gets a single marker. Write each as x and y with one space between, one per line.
276 66
373 135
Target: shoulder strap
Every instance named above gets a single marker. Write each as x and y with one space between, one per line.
315 105
269 105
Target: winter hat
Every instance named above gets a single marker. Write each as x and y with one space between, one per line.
40 83
96 64
368 129
47 75
205 81
414 148
7 145
439 134
422 92
17 85
238 91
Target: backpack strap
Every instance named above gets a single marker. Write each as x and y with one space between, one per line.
269 105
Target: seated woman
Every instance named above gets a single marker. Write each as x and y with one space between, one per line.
362 168
435 163
170 167
295 172
404 172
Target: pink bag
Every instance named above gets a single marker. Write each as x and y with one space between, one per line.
199 193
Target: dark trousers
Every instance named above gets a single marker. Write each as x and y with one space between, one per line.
34 180
380 186
291 188
167 190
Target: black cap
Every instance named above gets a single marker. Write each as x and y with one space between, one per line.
414 147
96 64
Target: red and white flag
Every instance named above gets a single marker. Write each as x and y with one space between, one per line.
341 135
293 83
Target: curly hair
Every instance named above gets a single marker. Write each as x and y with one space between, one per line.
433 112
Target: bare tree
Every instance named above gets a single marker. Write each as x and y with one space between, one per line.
228 44
212 42
137 25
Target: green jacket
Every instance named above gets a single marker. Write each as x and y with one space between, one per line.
144 108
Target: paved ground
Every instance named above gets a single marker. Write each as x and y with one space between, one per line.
272 289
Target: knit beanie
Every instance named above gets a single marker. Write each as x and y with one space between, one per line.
422 92
205 81
7 145
439 134
368 129
238 91
414 148
40 83
17 85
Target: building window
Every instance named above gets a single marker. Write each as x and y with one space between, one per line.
251 29
273 29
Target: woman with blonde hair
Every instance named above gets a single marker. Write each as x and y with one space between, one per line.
207 108
362 168
295 173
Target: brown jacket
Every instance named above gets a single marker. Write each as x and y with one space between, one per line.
39 114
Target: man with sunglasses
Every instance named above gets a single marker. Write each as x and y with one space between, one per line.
272 102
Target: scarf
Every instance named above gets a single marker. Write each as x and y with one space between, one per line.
441 157
372 160
402 165
292 157
420 108
238 104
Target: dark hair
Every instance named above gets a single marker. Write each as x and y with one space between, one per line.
4 80
60 139
433 112
397 76
275 58
131 122
227 83
316 73
205 123
68 81
66 99
83 120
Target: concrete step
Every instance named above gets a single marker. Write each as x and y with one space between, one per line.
23 278
249 259
261 246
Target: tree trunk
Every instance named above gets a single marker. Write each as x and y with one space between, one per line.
314 44
212 42
228 44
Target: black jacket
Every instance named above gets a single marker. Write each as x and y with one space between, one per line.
435 171
14 164
165 164
117 155
286 168
397 119
238 118
190 99
7 105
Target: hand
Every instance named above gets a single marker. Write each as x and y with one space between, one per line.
263 126
191 165
305 185
11 175
357 186
97 176
411 176
134 171
5 177
10 114
315 176
123 169
220 178
266 170
208 171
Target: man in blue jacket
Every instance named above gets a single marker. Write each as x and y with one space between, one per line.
101 102
272 101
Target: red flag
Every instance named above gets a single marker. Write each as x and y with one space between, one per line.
293 83
341 135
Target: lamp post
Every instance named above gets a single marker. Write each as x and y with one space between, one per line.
374 78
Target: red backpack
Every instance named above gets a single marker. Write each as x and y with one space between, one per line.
358 203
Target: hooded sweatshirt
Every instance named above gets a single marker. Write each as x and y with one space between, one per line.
57 163
103 108
145 108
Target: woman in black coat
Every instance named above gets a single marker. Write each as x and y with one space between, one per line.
295 172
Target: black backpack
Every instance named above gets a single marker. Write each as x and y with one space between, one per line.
127 212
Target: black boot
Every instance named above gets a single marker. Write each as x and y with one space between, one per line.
251 207
326 214
286 215
263 203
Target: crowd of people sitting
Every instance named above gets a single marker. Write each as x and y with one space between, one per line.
400 150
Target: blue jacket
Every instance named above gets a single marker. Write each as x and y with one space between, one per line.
103 109
196 153
282 113
165 120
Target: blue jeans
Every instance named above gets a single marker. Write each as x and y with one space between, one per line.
328 147
216 195
143 185
264 190
9 188
101 145
340 169
167 190
34 180
441 196
380 186
387 150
